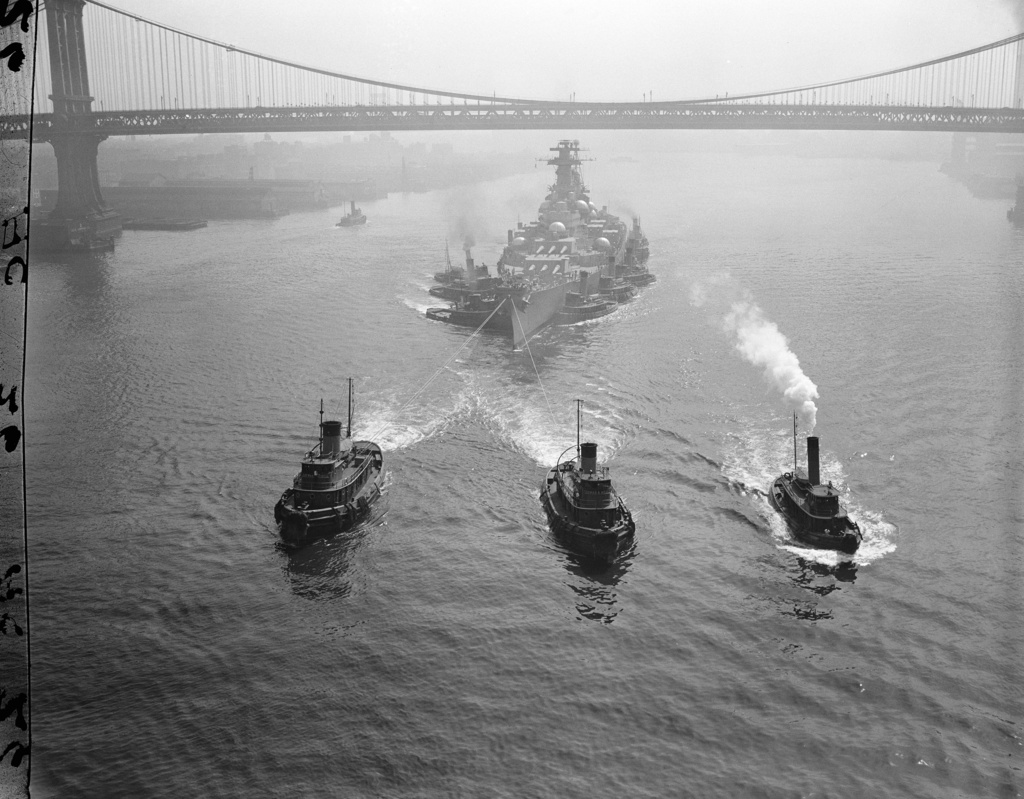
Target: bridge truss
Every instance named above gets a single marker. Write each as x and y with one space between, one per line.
144 77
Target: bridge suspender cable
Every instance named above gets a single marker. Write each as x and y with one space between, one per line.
873 76
494 98
328 73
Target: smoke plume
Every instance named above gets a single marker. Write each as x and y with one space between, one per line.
762 344
1018 11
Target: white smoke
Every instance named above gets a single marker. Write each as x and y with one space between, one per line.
700 292
762 343
1017 6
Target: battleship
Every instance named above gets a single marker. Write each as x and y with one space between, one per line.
812 510
338 481
545 264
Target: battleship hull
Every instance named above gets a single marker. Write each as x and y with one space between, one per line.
527 313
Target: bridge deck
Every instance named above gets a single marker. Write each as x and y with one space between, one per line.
547 116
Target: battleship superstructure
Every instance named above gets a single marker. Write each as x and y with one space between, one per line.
571 233
574 262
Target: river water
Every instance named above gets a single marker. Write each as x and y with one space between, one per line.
451 646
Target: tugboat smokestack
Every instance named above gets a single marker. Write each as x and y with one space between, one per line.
812 460
332 438
583 282
588 457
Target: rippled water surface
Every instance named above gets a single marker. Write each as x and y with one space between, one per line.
452 647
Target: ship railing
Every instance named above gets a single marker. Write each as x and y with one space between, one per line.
592 503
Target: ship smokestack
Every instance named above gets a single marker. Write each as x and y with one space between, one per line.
588 457
469 263
510 236
331 432
812 460
583 283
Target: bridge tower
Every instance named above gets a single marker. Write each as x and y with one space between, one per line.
81 219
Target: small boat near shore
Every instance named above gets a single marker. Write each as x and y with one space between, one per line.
583 509
812 510
353 217
338 481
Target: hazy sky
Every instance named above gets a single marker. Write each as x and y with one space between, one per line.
598 48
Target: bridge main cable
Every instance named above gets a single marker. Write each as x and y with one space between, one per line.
316 70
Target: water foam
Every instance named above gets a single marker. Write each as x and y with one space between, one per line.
754 458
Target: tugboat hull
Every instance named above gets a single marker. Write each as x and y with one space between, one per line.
603 544
301 524
571 314
639 278
837 532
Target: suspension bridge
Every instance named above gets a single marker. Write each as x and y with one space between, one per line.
99 71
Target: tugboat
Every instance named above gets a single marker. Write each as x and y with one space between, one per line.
1016 214
580 306
582 507
353 217
633 268
812 510
338 481
456 283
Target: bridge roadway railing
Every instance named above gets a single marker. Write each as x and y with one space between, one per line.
540 116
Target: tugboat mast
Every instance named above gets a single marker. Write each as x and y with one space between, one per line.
348 434
579 406
321 425
794 442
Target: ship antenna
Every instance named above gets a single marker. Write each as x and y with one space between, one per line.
794 443
349 434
